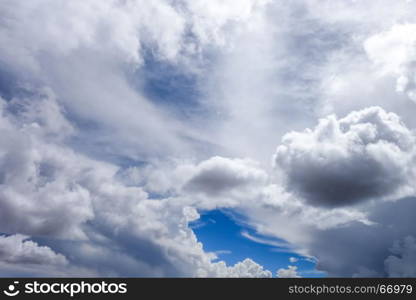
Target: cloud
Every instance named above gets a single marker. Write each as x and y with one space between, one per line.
372 244
214 182
220 175
293 259
403 261
141 235
68 46
212 20
107 228
366 155
20 256
17 249
274 243
244 269
128 24
37 178
394 52
290 272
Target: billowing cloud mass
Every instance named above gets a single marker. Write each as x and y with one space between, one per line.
37 177
368 154
17 249
121 122
19 255
49 191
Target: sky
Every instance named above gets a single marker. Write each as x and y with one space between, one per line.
196 138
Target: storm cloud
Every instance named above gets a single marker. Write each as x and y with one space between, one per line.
368 154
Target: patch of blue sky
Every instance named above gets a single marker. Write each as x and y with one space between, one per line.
12 87
7 85
220 232
169 85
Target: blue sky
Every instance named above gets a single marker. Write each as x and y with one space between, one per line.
220 233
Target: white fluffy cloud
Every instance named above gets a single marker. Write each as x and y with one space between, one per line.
368 154
39 191
20 256
244 269
290 272
17 249
293 259
117 29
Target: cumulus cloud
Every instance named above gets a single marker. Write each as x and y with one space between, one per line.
20 256
290 272
366 155
38 194
218 174
17 249
244 269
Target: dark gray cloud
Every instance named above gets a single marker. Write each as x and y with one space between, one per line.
221 175
366 155
376 250
402 262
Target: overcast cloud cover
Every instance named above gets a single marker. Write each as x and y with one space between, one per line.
121 121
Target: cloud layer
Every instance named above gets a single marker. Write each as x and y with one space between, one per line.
103 164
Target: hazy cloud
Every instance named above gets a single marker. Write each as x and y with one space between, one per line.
293 259
394 52
402 262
